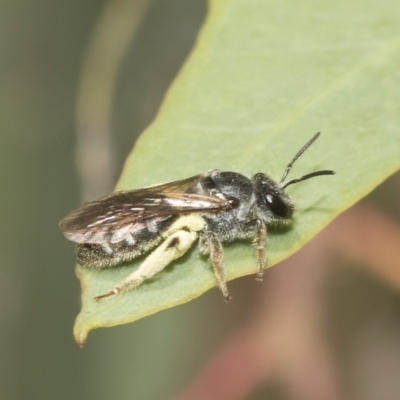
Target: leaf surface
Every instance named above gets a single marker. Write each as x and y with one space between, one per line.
263 77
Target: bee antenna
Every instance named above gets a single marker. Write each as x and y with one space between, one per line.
298 155
308 176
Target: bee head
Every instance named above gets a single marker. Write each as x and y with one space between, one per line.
272 200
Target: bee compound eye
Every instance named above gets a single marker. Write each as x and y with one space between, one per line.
277 205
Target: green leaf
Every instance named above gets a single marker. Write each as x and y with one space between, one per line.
263 77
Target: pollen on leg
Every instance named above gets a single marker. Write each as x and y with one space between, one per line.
173 243
172 248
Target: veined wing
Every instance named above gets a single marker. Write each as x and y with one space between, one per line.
112 218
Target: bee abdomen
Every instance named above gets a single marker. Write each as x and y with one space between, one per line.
108 255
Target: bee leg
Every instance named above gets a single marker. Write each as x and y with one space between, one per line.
260 244
172 248
217 261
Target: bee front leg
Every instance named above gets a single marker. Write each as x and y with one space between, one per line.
260 243
172 248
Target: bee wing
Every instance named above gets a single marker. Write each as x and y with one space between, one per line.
111 218
182 186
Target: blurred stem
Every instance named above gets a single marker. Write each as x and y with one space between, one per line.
370 237
113 32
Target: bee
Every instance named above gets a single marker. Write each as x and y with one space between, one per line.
211 208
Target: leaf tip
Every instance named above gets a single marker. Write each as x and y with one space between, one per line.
80 334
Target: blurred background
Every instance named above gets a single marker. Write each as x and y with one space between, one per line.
56 85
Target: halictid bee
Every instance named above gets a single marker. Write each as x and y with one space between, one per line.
214 207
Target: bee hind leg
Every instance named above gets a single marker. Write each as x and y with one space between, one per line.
175 246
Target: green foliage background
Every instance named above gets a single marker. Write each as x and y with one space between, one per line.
261 80
284 71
